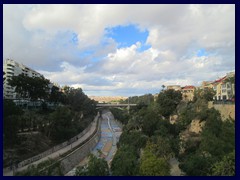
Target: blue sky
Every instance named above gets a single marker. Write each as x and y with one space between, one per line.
202 52
117 49
127 35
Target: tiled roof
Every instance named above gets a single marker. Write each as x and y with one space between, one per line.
189 87
219 80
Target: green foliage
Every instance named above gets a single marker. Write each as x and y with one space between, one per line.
168 101
61 127
217 140
11 117
196 165
120 115
133 138
10 108
225 167
125 162
56 95
206 94
160 147
151 122
142 100
30 87
78 101
230 79
96 167
151 164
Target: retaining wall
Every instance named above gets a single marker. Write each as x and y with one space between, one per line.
74 158
226 110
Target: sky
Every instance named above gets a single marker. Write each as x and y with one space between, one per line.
122 50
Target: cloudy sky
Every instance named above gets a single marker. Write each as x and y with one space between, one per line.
122 49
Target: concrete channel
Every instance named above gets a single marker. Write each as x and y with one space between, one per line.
106 148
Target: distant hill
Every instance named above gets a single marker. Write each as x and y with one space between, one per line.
107 99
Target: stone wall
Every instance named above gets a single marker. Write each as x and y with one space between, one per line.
226 110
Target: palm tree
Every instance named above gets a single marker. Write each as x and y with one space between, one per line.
163 86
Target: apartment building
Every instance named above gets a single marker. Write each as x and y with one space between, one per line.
12 68
224 90
188 93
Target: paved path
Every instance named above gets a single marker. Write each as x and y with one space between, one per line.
59 152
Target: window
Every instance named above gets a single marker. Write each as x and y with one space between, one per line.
223 85
224 91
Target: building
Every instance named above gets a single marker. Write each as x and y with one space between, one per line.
174 87
188 93
206 84
224 90
12 68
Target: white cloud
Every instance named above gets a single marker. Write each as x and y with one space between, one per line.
40 36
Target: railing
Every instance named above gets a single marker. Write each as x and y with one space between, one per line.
97 132
224 102
52 150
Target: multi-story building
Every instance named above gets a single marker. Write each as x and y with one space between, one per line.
188 93
12 68
224 90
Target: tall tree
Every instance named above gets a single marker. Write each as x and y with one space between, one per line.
125 162
168 101
30 87
151 165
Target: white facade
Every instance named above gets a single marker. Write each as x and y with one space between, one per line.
12 68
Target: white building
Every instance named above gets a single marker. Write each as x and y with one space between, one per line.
12 68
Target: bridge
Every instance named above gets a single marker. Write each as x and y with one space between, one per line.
115 105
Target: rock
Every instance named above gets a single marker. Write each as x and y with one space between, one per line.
196 126
173 119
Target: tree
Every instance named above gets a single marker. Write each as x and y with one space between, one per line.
55 95
225 167
125 162
151 165
168 101
11 122
206 94
151 122
160 147
196 164
96 167
33 88
132 138
61 126
163 87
